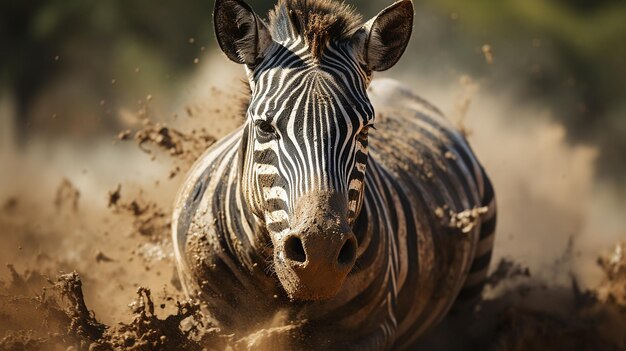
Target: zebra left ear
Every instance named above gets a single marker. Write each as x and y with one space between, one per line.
241 34
385 37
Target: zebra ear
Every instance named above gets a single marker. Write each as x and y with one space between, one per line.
241 34
385 37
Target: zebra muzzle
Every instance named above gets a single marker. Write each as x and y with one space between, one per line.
318 254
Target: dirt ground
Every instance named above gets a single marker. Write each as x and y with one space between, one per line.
85 235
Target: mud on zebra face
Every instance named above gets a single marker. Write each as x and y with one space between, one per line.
305 162
303 153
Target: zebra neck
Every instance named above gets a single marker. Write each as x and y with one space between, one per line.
373 224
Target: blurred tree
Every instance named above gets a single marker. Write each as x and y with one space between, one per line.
41 41
566 54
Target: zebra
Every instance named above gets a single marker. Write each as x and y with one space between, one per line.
348 204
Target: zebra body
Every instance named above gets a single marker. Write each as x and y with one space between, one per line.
406 210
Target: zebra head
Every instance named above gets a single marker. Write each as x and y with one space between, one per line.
303 152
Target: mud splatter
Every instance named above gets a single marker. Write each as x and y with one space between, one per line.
67 196
149 219
10 205
507 270
522 313
102 257
464 221
183 146
70 324
520 310
507 322
612 289
147 332
115 196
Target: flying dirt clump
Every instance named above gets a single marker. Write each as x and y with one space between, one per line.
184 147
82 324
506 270
69 324
67 196
58 316
520 312
148 332
464 221
583 320
612 290
10 205
149 219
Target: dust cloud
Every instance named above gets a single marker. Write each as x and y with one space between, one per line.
555 218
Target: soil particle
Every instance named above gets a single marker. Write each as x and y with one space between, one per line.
464 221
83 324
67 196
488 52
69 324
56 318
450 156
10 205
612 290
23 284
22 341
114 196
186 146
268 339
124 135
162 136
507 270
101 257
149 219
183 147
148 332
189 110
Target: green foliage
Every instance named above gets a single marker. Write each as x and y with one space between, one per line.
43 41
566 54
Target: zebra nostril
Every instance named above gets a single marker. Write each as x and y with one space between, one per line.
294 250
347 252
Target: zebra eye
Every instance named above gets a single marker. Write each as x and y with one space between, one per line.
265 128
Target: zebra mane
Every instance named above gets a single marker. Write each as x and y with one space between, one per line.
318 21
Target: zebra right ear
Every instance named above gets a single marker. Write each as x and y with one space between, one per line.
241 34
384 38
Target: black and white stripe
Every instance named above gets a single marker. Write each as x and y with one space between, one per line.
309 128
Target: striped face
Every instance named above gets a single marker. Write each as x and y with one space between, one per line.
307 132
303 153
